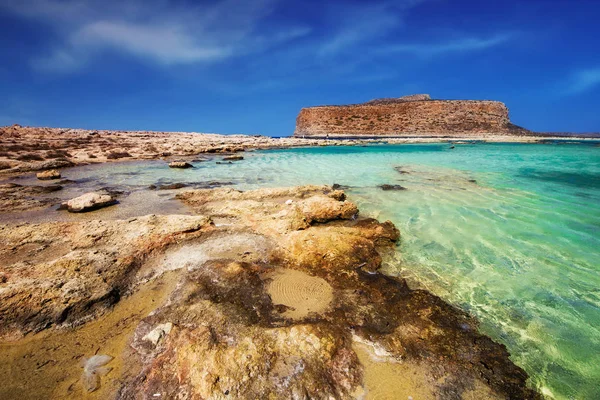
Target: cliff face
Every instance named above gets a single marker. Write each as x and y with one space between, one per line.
410 115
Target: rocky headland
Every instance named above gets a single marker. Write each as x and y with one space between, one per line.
270 293
406 116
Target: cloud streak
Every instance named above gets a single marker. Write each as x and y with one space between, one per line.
154 30
583 81
462 45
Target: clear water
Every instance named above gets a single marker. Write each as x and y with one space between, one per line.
509 232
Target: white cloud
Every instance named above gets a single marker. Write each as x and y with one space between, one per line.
165 44
582 81
466 44
160 31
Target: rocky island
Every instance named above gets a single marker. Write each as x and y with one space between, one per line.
414 115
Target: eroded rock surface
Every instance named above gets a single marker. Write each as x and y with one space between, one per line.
48 175
278 297
89 202
409 115
66 273
15 197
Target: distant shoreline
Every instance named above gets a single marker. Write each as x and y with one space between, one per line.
478 138
28 149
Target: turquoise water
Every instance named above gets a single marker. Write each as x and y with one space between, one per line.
509 232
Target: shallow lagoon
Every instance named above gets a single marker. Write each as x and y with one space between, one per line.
509 232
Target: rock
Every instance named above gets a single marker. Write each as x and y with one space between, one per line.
180 164
49 174
168 186
78 270
43 165
391 187
403 99
43 189
16 198
408 116
89 202
156 334
233 158
321 208
270 304
337 186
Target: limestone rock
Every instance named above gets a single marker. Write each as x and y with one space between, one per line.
268 302
180 164
43 165
48 175
89 202
409 115
321 208
156 334
392 100
76 270
16 198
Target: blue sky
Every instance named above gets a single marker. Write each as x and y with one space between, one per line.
242 66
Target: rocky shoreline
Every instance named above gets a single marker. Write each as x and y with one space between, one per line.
269 293
31 149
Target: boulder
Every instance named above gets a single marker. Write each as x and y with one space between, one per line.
180 164
89 201
48 175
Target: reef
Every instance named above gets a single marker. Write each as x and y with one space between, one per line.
270 293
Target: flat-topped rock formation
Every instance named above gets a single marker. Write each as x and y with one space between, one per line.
416 115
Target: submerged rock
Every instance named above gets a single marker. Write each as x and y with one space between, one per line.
48 175
401 170
233 158
89 202
168 186
391 187
337 186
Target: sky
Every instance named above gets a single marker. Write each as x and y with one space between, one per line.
249 66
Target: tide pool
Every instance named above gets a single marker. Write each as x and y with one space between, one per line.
508 232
